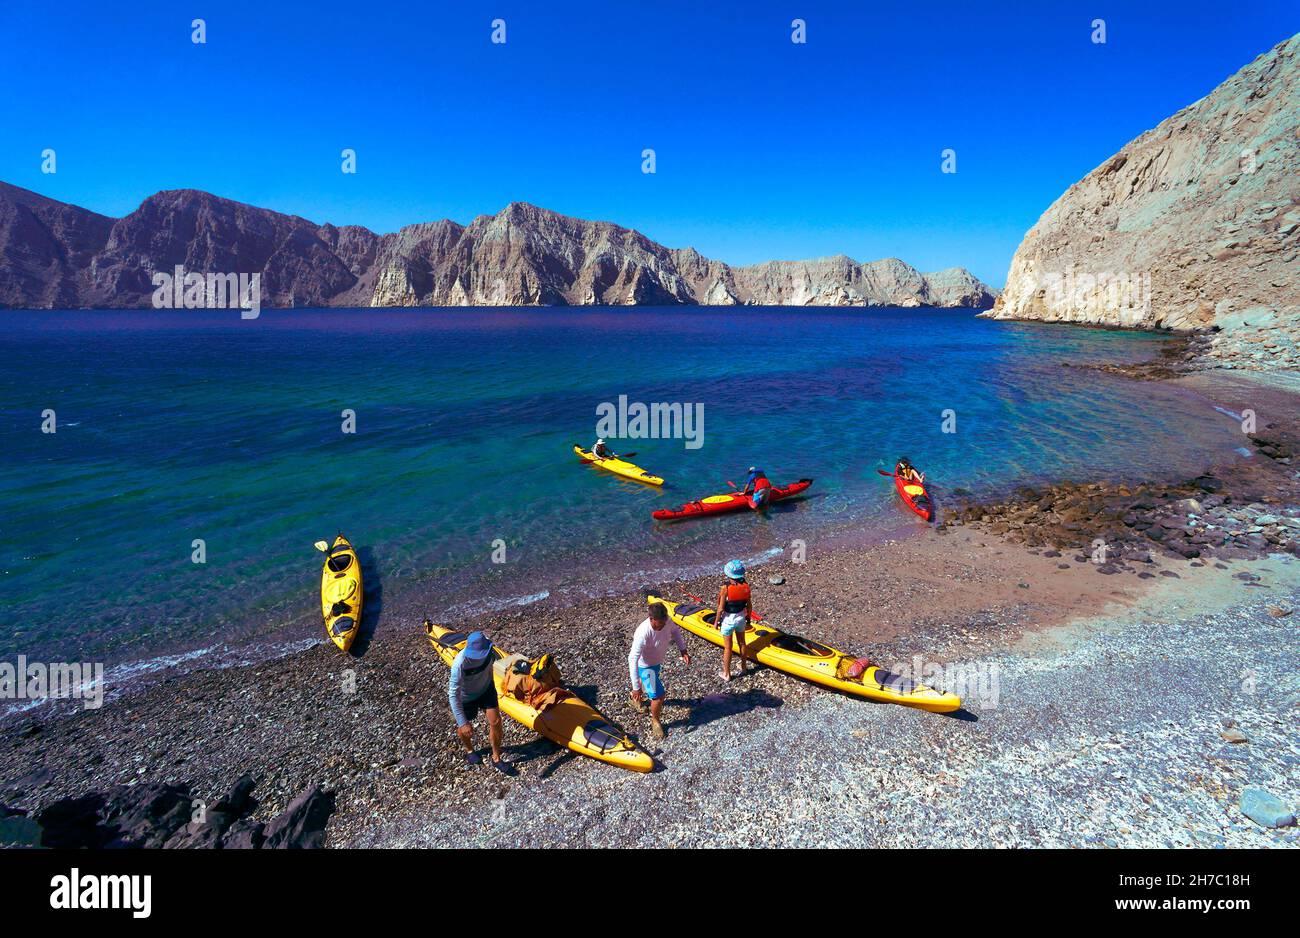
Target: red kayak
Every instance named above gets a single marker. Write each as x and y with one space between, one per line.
915 497
732 501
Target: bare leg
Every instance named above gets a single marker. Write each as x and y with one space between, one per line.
656 706
466 734
494 733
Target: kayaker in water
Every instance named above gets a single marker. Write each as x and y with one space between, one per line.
649 647
601 451
733 614
758 484
905 471
472 689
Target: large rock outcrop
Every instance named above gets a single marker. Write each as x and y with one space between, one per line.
166 816
54 255
1193 225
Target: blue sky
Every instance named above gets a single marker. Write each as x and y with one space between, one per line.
765 149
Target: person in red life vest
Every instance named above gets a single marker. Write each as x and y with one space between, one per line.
759 486
733 615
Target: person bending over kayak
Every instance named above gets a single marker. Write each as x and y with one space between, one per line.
733 614
601 451
905 471
758 484
473 689
649 647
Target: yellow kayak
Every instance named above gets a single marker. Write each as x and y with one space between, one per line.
569 722
341 593
620 467
812 661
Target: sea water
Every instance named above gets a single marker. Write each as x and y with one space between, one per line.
458 483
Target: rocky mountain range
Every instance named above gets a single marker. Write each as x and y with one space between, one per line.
54 255
1194 225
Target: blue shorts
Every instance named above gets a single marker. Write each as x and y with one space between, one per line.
760 496
732 623
650 683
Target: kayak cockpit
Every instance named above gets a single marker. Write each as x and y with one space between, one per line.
802 646
602 736
895 682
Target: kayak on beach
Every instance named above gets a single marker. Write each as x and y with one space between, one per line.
620 467
813 661
912 492
731 501
341 592
565 719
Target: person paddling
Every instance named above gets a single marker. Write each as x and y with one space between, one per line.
602 451
733 614
905 471
472 689
758 484
649 647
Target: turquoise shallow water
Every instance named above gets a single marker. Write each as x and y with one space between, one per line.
185 425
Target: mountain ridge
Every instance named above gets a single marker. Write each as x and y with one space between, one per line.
53 254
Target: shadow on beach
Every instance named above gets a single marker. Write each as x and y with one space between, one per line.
711 707
373 603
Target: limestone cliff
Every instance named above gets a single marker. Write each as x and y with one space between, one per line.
1195 224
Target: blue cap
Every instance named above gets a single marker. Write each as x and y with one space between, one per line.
478 646
734 570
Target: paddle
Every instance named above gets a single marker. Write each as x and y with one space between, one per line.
890 475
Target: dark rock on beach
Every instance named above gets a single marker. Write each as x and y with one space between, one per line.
156 815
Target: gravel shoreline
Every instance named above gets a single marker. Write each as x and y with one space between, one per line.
1063 751
1132 757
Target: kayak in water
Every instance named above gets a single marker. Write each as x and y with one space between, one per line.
813 661
620 467
731 501
911 488
563 718
341 592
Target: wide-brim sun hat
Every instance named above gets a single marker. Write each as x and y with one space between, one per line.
478 646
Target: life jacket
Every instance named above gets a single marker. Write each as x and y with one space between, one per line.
762 482
545 671
737 597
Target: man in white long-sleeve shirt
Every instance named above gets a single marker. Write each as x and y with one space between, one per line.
649 648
